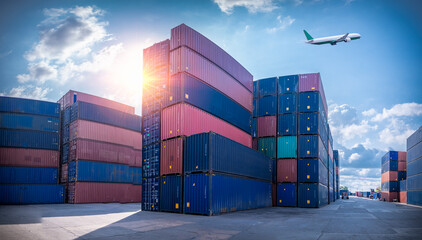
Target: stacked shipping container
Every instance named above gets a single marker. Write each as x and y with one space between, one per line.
337 176
291 119
393 170
101 150
414 168
29 152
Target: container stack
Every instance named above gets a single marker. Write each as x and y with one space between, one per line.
414 168
205 90
337 177
290 113
393 170
101 150
29 152
154 88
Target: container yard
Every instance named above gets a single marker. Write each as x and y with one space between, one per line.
220 133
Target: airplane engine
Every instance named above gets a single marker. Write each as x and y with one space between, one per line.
347 39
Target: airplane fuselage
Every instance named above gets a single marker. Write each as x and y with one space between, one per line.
333 39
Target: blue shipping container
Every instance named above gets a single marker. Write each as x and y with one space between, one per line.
414 197
65 134
151 129
28 175
335 156
31 194
414 182
65 153
391 186
267 106
401 175
89 171
402 186
312 170
171 193
255 108
151 194
390 166
211 194
288 84
311 146
254 127
206 152
414 153
29 139
310 102
312 195
255 89
151 160
136 175
185 88
414 168
287 103
267 86
287 125
287 195
20 105
29 122
105 115
414 139
66 116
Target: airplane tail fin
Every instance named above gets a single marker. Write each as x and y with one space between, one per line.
308 37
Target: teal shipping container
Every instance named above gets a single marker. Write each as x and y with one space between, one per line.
287 147
267 146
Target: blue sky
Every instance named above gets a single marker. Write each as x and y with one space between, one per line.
373 85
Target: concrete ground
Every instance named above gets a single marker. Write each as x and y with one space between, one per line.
355 218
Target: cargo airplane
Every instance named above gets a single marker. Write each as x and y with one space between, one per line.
333 40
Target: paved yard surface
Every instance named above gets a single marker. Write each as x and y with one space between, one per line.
355 218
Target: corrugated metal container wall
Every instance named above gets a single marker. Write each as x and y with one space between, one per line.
286 170
389 196
267 126
288 84
31 194
267 86
28 175
414 139
185 120
414 153
390 166
183 35
287 125
312 171
151 125
267 106
414 197
88 171
136 175
389 176
255 144
287 103
403 197
100 114
255 89
312 195
255 108
171 156
151 160
401 176
402 186
286 195
29 106
287 147
29 139
171 193
212 152
82 149
414 167
151 194
185 60
187 89
414 182
25 157
64 173
254 128
310 102
65 153
92 192
310 146
312 82
105 133
391 186
29 122
211 194
402 156
72 96
267 146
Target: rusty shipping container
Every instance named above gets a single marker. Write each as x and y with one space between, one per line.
286 170
25 157
92 192
267 126
172 156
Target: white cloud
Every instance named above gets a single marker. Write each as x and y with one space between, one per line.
399 110
41 71
354 157
396 133
369 113
283 23
28 91
298 2
253 6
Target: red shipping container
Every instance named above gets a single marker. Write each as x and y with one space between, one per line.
359 194
389 176
105 133
389 196
402 166
25 157
286 170
64 173
183 35
184 59
184 120
255 144
403 197
94 192
72 96
311 82
104 152
171 156
402 157
274 195
267 126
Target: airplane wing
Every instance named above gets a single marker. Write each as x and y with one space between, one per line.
340 39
